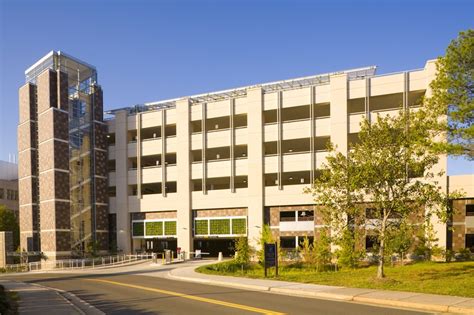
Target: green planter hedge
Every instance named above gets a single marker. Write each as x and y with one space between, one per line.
154 228
138 229
170 227
202 227
239 226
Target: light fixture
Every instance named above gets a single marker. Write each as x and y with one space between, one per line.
303 214
218 156
217 126
243 154
290 178
108 136
290 150
302 180
154 135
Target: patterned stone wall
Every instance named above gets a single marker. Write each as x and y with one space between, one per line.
460 229
154 215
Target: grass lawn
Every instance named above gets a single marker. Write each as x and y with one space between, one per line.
456 278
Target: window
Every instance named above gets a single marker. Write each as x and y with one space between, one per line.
2 193
287 216
371 242
288 242
470 242
470 210
305 215
12 194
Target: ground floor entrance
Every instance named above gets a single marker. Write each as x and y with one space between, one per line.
215 245
155 245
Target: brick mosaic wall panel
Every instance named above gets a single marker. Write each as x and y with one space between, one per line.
459 237
46 185
62 214
53 154
137 216
25 161
26 218
101 190
102 217
47 90
275 213
100 131
220 212
100 163
103 239
63 97
61 184
53 124
470 230
47 215
296 233
26 136
25 194
27 103
160 215
459 207
98 104
63 241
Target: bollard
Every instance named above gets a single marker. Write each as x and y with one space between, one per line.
220 258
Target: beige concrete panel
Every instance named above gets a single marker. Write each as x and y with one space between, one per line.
112 205
323 93
417 81
271 164
270 101
357 88
121 201
339 123
183 205
217 139
196 112
153 202
171 116
240 105
241 167
270 132
131 122
387 84
172 145
151 147
241 136
131 148
297 162
296 97
218 198
111 152
151 119
290 195
218 168
255 197
296 129
323 127
321 159
354 122
463 183
218 109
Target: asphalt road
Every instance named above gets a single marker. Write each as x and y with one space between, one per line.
130 293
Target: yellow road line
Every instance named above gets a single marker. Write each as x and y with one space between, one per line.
192 297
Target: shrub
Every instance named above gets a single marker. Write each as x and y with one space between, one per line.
347 254
242 252
265 237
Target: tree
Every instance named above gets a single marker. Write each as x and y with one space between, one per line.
9 222
400 240
322 249
243 252
265 237
453 93
389 170
347 254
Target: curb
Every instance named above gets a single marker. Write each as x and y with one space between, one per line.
80 305
445 308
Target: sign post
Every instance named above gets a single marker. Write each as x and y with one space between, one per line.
271 257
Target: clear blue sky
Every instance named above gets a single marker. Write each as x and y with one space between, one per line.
152 50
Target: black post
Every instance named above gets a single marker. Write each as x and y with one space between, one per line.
276 259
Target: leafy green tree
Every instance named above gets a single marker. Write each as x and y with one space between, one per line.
243 252
453 93
9 222
265 237
390 168
347 254
307 251
322 249
400 240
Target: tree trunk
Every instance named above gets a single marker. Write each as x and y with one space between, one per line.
380 273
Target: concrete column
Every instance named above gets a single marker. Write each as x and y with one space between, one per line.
255 165
339 121
121 173
183 162
440 228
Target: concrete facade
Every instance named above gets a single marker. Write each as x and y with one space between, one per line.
246 153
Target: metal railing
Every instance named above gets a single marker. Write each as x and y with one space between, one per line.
74 264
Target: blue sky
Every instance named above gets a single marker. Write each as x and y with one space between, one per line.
152 50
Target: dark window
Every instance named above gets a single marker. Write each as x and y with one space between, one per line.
470 242
371 242
286 216
305 215
2 193
470 210
288 242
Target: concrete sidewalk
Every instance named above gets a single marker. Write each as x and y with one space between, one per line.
36 299
419 301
